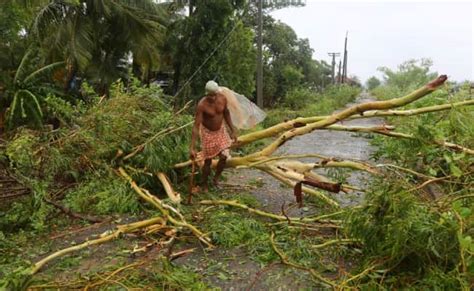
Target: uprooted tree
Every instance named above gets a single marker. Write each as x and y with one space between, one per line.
287 169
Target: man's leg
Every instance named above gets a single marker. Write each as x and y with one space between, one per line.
219 168
206 170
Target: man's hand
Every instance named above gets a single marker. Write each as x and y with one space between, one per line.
192 154
233 136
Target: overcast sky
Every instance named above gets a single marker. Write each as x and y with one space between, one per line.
384 33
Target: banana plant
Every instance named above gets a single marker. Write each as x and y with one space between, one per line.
27 92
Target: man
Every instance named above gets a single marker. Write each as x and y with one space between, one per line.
211 112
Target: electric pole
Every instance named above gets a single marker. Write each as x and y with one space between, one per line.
344 66
260 57
339 76
333 55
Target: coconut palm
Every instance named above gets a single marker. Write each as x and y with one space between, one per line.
99 37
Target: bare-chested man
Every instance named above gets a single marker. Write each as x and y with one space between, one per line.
209 125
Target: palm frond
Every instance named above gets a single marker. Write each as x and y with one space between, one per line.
81 41
43 70
46 17
13 107
34 101
22 67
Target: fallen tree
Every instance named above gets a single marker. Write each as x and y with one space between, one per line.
293 172
135 163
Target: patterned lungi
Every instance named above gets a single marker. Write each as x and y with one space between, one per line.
214 142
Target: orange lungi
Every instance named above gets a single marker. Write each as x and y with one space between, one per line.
214 142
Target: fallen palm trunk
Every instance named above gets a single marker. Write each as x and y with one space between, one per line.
121 229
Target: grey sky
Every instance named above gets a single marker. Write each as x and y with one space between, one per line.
388 33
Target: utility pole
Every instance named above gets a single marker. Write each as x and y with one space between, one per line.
339 76
333 55
260 57
344 66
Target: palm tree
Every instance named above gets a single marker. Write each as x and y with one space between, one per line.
99 37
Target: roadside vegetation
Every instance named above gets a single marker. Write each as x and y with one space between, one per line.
93 152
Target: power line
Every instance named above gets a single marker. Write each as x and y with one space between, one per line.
211 54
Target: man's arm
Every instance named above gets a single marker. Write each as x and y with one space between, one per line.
228 119
195 131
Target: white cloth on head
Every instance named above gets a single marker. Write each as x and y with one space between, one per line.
212 87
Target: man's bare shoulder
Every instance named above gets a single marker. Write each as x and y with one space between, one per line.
201 103
222 97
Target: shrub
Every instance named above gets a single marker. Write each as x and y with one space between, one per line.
299 98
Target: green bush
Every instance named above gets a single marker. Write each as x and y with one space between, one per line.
85 153
20 152
104 195
299 98
406 237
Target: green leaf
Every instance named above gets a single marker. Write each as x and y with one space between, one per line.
464 212
466 242
42 70
455 170
432 172
223 276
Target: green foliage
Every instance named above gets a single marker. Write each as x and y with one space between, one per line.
417 244
62 110
298 98
422 153
230 229
288 63
30 212
409 75
105 195
209 24
20 152
95 37
409 239
302 102
17 216
13 20
24 96
408 233
84 153
372 83
171 277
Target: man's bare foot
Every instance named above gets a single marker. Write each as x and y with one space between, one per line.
216 183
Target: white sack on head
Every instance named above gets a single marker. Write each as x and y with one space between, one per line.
243 112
